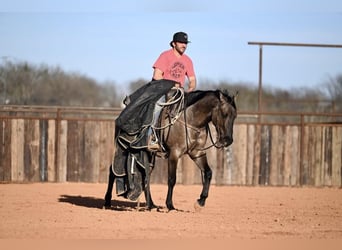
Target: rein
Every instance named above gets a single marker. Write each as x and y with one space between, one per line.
186 125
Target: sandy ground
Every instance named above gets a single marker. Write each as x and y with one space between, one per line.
74 211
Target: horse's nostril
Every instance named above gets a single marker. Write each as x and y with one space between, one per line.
229 141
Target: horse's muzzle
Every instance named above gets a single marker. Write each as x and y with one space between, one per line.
229 141
226 141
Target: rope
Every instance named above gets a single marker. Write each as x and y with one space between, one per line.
174 99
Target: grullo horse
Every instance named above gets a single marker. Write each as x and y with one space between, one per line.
188 134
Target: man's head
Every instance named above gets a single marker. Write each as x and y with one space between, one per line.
179 42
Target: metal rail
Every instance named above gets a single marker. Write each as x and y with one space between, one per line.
261 44
319 45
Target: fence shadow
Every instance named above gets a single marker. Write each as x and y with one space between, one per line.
93 202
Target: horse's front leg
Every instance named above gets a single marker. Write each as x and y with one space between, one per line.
108 196
172 168
202 163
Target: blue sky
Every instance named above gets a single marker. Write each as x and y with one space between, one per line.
120 40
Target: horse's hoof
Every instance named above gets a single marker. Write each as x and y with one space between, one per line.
198 207
172 210
106 207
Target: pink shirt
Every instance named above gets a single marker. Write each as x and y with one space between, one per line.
174 68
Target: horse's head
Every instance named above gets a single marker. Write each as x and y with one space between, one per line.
223 117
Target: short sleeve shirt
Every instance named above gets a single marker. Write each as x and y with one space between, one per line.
173 67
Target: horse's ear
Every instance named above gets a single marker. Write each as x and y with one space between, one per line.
236 95
222 92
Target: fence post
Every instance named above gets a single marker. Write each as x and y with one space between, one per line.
57 139
301 150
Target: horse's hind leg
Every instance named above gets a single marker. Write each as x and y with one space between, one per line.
108 196
202 163
172 168
149 163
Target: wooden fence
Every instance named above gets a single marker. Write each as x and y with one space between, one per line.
40 144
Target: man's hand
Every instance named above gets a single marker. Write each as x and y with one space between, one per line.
192 84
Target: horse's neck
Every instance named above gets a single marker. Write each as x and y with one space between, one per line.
199 114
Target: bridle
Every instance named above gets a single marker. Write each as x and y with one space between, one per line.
188 126
213 143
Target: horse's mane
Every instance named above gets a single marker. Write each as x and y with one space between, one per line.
194 96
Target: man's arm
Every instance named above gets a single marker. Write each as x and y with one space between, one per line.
157 74
192 84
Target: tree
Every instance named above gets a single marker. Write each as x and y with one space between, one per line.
334 90
43 85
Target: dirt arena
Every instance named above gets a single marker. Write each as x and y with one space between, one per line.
74 211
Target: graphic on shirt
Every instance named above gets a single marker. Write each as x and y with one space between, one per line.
177 70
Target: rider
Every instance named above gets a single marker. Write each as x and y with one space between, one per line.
174 65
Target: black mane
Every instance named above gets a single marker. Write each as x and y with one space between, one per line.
194 96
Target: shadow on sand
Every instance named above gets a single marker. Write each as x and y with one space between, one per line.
92 202
117 205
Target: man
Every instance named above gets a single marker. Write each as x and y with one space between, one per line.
174 65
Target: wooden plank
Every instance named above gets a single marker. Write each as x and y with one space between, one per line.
336 177
328 156
14 150
287 157
17 150
285 167
91 164
264 155
311 156
318 157
250 153
218 174
106 145
5 147
283 170
75 158
240 154
51 151
159 173
294 154
43 149
186 171
304 175
322 167
232 165
213 161
63 152
274 163
2 150
257 150
227 172
31 150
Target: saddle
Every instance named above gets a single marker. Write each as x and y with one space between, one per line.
169 113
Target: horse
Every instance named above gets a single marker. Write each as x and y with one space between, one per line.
188 134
